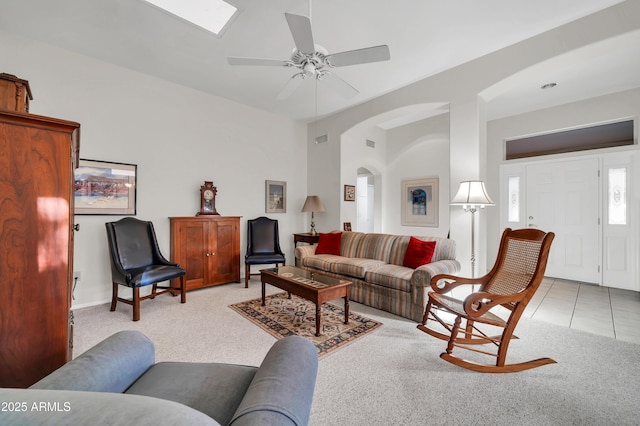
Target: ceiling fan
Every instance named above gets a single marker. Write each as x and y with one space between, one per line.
313 60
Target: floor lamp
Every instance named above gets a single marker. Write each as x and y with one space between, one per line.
472 195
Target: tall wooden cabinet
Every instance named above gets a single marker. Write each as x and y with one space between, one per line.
37 159
208 248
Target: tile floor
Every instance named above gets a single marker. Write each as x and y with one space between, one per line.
600 310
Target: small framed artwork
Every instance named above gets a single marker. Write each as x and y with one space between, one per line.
346 226
275 196
420 202
349 193
105 188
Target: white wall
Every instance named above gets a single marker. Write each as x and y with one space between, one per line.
419 150
355 154
178 137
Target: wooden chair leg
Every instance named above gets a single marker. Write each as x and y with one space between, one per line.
247 275
136 304
425 317
114 297
454 334
183 290
154 290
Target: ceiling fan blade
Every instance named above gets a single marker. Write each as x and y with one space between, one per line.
300 27
291 86
360 56
339 85
257 61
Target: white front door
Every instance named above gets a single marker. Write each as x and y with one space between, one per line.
620 222
564 197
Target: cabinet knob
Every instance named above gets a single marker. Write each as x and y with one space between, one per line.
76 227
210 254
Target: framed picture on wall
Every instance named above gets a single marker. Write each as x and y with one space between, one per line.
105 188
346 226
420 202
275 196
349 193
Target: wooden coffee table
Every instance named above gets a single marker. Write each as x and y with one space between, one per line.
315 287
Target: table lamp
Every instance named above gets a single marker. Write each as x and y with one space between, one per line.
313 204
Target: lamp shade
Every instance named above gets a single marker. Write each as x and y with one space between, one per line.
472 192
313 204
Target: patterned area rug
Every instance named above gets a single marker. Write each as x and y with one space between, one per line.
283 317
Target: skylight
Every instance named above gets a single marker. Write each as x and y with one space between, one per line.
212 15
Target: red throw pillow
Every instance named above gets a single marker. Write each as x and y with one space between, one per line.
329 243
418 253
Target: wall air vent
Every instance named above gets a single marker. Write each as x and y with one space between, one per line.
370 143
321 139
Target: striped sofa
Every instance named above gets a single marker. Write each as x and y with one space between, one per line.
373 263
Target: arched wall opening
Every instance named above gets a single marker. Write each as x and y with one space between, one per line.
411 142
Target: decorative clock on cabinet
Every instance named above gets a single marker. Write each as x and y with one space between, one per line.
208 199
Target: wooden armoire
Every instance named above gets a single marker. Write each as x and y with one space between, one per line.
37 161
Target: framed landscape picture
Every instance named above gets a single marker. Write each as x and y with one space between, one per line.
105 188
275 195
420 202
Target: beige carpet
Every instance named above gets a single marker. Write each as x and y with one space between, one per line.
282 317
394 376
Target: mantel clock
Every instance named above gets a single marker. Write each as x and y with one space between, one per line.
208 199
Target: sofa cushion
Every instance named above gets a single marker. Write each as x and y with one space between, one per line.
321 262
418 253
391 276
347 266
211 388
355 267
329 243
445 249
350 242
376 246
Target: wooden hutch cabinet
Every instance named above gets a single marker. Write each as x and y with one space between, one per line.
208 248
37 160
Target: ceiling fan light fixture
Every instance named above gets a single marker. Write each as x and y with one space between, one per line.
313 60
309 69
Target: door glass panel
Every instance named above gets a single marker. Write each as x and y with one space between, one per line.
514 199
618 196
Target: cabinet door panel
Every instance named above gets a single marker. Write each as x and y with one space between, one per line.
193 241
225 262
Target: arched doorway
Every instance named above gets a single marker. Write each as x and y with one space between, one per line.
365 201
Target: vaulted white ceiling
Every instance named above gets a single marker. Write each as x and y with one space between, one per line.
425 37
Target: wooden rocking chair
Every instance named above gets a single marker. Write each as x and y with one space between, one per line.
513 280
